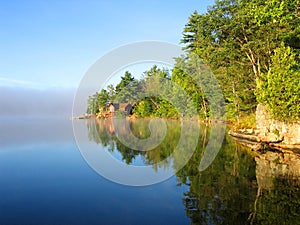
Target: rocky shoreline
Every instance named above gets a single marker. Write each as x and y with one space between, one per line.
252 139
269 133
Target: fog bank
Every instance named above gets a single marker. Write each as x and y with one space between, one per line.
27 102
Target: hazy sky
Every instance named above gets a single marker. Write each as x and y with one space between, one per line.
53 43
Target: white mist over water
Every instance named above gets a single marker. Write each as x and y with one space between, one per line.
32 102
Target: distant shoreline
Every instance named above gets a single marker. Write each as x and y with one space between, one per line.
209 121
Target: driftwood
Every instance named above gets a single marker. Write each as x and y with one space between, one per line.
245 136
284 146
252 141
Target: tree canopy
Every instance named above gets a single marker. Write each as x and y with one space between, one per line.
238 40
251 46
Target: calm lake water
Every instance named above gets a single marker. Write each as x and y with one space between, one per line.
45 180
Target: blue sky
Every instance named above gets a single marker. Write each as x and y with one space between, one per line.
53 43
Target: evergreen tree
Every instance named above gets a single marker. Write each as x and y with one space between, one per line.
127 89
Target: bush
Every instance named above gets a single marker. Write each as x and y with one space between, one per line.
279 90
246 122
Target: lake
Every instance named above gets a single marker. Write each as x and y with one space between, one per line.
47 179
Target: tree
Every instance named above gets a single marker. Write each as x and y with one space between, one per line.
102 99
97 102
127 89
157 90
93 105
111 92
215 45
182 75
280 89
125 80
237 39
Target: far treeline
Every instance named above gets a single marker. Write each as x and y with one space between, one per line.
251 46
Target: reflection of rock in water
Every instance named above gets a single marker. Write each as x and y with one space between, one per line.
278 192
273 166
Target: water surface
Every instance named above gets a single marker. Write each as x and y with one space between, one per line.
45 180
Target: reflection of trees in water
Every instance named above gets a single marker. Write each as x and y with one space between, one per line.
226 192
103 132
280 205
278 195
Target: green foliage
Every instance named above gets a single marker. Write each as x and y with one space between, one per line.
102 99
217 36
246 122
127 89
92 107
143 108
111 92
280 88
195 77
126 80
97 102
181 77
156 86
237 39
